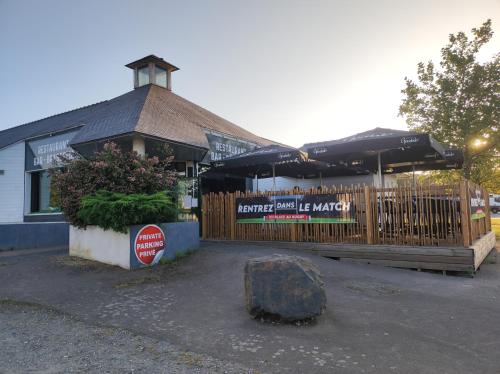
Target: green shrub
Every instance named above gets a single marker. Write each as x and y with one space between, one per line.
117 211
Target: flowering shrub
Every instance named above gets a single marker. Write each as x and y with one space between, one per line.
110 170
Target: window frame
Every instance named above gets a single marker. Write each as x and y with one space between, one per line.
148 75
155 67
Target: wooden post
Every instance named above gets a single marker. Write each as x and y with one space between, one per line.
232 214
464 212
369 216
487 210
204 218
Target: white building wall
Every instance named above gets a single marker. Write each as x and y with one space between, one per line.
285 183
12 183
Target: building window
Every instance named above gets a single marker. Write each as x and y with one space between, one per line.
160 76
143 76
44 198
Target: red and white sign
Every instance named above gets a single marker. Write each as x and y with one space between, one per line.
149 244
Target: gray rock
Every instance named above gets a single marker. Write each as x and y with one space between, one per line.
289 288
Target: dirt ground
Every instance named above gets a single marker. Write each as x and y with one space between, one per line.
42 340
105 319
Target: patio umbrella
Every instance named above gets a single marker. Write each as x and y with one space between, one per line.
273 160
281 161
373 150
453 159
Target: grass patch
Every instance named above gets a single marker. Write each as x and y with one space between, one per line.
495 226
26 305
190 359
178 256
137 282
81 264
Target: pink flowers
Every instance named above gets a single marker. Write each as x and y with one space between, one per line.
114 171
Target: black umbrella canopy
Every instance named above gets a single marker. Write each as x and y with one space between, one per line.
453 159
362 150
307 169
286 161
271 154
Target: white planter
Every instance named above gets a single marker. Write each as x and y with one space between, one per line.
141 246
94 243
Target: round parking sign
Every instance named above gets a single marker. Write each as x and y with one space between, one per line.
149 244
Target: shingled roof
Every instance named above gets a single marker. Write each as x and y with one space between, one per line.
149 110
58 122
186 120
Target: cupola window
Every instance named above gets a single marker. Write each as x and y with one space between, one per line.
160 76
143 76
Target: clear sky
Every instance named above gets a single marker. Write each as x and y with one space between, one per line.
291 71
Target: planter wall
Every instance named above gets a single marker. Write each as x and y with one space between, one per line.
33 235
142 246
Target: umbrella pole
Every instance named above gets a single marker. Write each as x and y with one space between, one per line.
379 172
413 167
274 177
256 183
379 169
321 179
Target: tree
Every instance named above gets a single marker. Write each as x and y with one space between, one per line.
459 103
110 170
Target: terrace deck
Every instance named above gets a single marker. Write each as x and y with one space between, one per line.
433 227
458 259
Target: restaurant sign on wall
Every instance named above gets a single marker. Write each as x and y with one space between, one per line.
222 147
43 153
321 208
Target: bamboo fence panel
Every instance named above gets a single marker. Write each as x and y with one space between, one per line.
407 215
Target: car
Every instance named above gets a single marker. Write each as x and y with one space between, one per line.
494 203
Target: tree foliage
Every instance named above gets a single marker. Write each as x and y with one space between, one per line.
110 170
459 103
117 211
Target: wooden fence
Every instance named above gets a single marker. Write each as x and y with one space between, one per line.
422 215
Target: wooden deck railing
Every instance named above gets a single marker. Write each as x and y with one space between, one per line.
422 215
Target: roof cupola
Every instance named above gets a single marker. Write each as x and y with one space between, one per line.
152 70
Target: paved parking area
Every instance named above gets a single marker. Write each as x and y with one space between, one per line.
378 320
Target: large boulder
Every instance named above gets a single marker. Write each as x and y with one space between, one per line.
289 288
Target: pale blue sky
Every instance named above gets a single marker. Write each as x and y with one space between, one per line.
292 71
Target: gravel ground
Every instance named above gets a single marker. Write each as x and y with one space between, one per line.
378 320
38 339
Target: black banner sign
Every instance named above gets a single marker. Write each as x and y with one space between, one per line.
324 208
222 147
